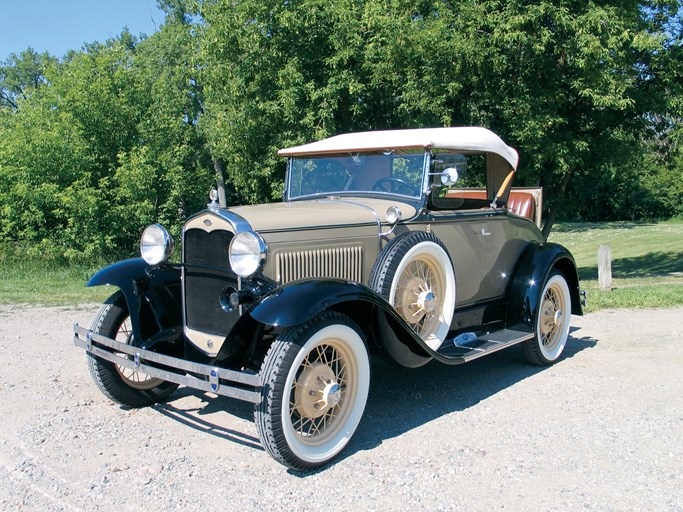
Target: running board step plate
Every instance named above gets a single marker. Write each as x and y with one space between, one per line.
481 345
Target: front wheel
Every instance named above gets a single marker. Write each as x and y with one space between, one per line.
316 378
123 385
551 326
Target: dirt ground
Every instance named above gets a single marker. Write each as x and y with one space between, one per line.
600 430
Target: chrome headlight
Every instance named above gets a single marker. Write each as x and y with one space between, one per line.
156 244
247 253
393 214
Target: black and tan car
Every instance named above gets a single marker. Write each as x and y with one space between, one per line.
407 244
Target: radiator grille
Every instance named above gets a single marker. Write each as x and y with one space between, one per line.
203 285
339 262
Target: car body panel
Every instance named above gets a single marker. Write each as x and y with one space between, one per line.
319 213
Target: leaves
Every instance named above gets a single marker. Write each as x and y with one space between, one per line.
129 131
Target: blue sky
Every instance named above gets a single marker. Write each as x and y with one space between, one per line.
57 26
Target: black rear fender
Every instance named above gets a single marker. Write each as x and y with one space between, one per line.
388 334
531 272
153 295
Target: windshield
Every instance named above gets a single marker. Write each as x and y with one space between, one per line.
382 172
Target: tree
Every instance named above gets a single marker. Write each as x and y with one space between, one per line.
22 74
571 84
107 147
133 131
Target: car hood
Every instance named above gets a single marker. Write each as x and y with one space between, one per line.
319 213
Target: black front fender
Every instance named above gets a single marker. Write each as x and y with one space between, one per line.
531 272
298 302
153 295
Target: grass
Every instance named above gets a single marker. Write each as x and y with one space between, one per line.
647 261
647 268
29 281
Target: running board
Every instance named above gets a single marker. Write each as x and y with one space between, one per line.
464 348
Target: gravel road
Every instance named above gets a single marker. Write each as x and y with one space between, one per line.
600 430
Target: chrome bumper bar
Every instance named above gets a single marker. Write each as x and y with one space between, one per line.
215 380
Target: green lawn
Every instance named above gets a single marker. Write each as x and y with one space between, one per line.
647 261
647 268
36 282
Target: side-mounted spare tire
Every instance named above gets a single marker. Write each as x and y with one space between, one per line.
415 274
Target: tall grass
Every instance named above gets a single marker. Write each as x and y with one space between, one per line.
50 282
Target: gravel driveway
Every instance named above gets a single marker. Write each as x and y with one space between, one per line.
600 430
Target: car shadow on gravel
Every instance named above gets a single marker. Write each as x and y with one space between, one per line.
195 417
400 400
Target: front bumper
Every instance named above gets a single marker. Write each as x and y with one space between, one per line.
240 385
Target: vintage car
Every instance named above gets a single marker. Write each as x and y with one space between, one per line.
406 244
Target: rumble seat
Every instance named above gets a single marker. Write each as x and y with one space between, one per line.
522 204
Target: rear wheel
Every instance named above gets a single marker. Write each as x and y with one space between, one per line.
123 385
316 378
551 323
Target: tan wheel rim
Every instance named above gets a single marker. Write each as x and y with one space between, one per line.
133 378
319 399
419 295
553 310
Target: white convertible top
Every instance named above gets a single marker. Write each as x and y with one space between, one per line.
466 138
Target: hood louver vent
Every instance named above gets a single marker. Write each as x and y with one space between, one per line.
338 262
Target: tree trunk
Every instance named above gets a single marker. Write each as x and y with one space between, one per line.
220 181
552 214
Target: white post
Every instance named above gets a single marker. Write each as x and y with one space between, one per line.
605 268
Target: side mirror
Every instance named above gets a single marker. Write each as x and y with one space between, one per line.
449 176
450 167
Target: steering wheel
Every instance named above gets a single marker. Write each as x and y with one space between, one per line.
379 185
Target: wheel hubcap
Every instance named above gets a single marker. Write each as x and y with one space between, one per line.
331 394
316 391
427 301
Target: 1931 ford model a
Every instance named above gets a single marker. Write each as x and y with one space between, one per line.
410 244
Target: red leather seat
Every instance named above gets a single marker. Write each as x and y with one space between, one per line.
522 204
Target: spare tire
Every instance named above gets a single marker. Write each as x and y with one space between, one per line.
415 274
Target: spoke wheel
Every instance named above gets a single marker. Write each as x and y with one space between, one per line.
132 378
316 384
552 322
318 401
418 291
415 274
122 385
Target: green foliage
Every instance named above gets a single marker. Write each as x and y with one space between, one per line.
128 132
21 75
106 145
573 85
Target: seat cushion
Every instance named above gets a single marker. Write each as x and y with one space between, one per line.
522 204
